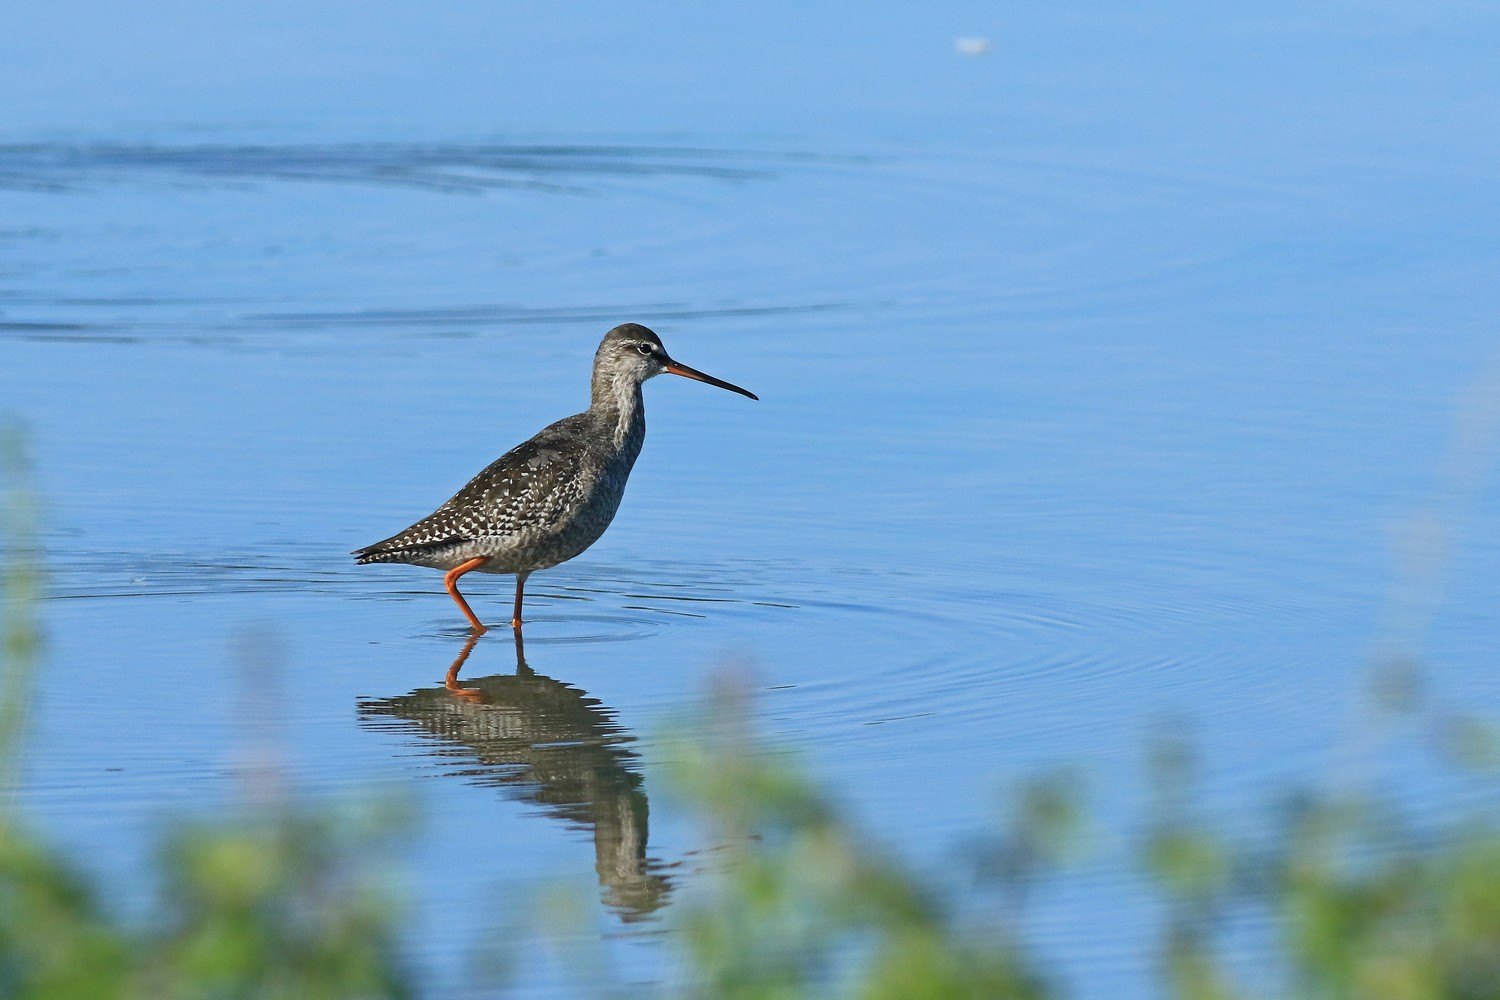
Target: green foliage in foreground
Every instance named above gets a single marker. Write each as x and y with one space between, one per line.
275 902
280 902
1363 908
264 908
801 906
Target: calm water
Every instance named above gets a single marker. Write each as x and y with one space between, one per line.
1098 375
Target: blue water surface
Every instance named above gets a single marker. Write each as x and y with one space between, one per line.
1103 375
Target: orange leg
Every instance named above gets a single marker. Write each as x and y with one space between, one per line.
451 582
515 616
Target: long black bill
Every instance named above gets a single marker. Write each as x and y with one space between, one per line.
674 368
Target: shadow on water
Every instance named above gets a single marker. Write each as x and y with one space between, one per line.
540 740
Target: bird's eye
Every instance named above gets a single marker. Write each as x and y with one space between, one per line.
644 348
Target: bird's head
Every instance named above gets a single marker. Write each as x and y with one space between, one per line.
632 353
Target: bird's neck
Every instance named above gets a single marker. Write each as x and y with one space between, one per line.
618 403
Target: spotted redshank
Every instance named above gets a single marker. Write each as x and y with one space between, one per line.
545 501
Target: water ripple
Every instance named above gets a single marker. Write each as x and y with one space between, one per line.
452 167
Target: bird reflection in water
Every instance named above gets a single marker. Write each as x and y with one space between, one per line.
540 740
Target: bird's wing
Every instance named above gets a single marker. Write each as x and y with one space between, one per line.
535 485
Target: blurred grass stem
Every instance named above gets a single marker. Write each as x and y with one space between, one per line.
19 588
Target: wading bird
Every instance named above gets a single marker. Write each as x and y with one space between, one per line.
546 500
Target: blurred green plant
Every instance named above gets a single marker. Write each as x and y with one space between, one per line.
1364 907
800 905
275 902
20 580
